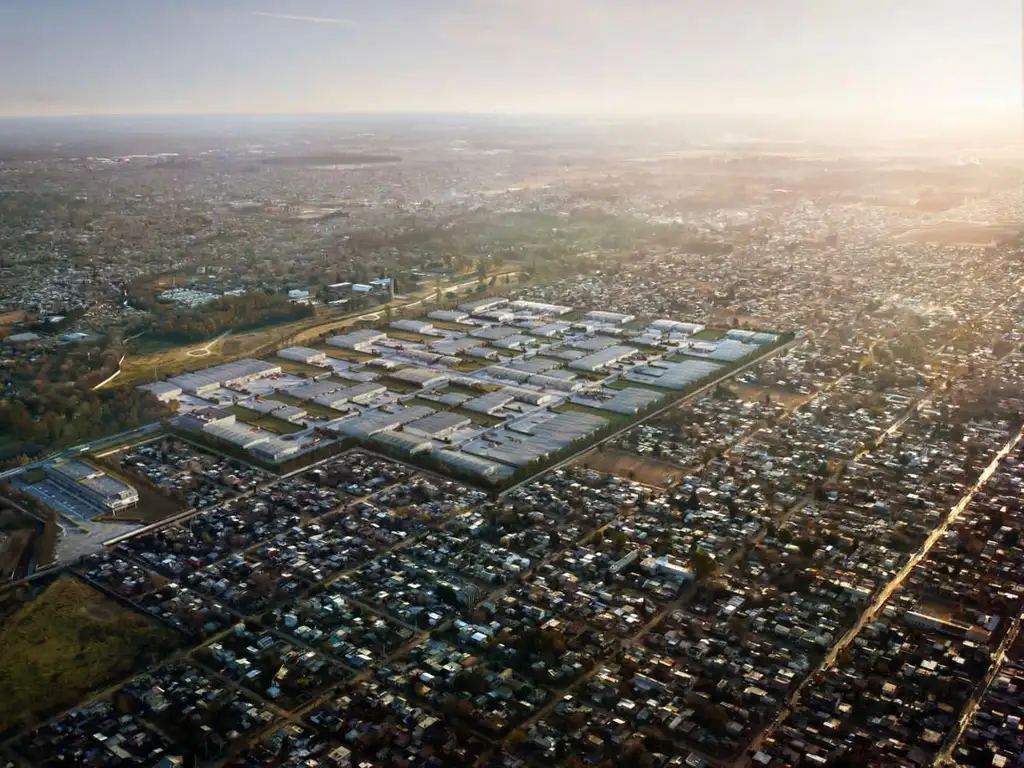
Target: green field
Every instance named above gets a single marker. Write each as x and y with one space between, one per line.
445 325
265 421
67 642
709 334
397 385
297 368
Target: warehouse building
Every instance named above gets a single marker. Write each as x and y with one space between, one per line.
455 346
425 378
628 402
414 326
675 376
609 318
482 305
438 426
229 375
92 485
603 358
369 423
550 330
164 391
675 326
494 332
358 341
726 350
465 463
534 437
449 316
303 355
402 442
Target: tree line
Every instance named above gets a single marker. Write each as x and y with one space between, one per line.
237 313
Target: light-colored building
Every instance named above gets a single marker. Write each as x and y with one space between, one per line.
92 485
163 391
609 318
414 326
359 341
303 355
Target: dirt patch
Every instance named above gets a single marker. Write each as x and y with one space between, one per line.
754 393
653 472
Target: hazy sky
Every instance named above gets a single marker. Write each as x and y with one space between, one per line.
594 56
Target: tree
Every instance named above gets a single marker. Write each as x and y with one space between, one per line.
704 564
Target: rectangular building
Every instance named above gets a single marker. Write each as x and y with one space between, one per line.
92 485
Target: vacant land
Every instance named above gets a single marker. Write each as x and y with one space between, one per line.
754 393
67 642
648 471
265 421
155 503
709 334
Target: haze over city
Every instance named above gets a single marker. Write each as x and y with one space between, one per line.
874 58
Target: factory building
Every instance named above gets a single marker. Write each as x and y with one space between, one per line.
603 358
163 391
303 355
609 318
671 375
229 375
438 426
449 316
92 485
482 305
415 326
358 341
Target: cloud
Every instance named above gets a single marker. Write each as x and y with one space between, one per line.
307 19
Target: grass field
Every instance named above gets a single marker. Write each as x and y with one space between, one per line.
265 421
648 471
297 368
445 325
416 338
397 385
67 642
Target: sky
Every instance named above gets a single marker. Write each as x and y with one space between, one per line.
602 57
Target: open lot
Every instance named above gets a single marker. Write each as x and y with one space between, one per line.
757 394
648 471
66 642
